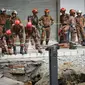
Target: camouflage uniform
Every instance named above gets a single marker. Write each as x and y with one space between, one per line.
17 30
80 28
8 23
13 19
33 33
2 44
45 22
3 18
64 20
34 20
73 30
9 42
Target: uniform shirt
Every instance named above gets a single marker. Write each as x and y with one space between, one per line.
80 21
35 20
2 44
64 19
3 19
32 31
46 20
17 29
13 19
72 21
9 40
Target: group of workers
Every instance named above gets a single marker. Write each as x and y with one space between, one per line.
11 26
72 26
37 30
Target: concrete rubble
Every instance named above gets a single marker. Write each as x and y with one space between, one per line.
36 66
8 81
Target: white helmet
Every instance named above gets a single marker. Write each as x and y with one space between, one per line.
14 12
79 11
3 10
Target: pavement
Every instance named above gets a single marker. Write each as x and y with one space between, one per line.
34 55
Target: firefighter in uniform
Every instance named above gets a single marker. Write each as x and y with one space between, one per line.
17 30
64 30
35 19
32 32
3 18
80 23
46 21
72 22
9 41
14 17
3 45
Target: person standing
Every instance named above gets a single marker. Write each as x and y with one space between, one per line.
80 23
46 21
64 29
72 23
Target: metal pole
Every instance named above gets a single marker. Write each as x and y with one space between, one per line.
57 18
53 64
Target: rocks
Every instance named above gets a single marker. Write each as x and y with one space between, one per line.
70 68
29 68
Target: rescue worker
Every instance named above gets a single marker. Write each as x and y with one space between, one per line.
35 19
31 32
3 45
64 29
80 23
14 17
72 23
17 30
46 21
9 41
3 18
7 25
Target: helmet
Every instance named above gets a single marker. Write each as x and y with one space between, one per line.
17 22
47 10
14 12
8 32
29 25
3 10
79 11
34 11
62 9
72 11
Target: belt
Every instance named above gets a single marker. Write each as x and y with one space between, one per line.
45 26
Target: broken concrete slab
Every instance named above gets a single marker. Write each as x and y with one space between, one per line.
8 81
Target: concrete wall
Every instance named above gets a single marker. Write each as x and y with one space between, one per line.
24 8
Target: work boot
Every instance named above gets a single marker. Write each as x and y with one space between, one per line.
83 43
39 51
47 42
25 52
41 43
3 52
26 48
14 49
21 49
